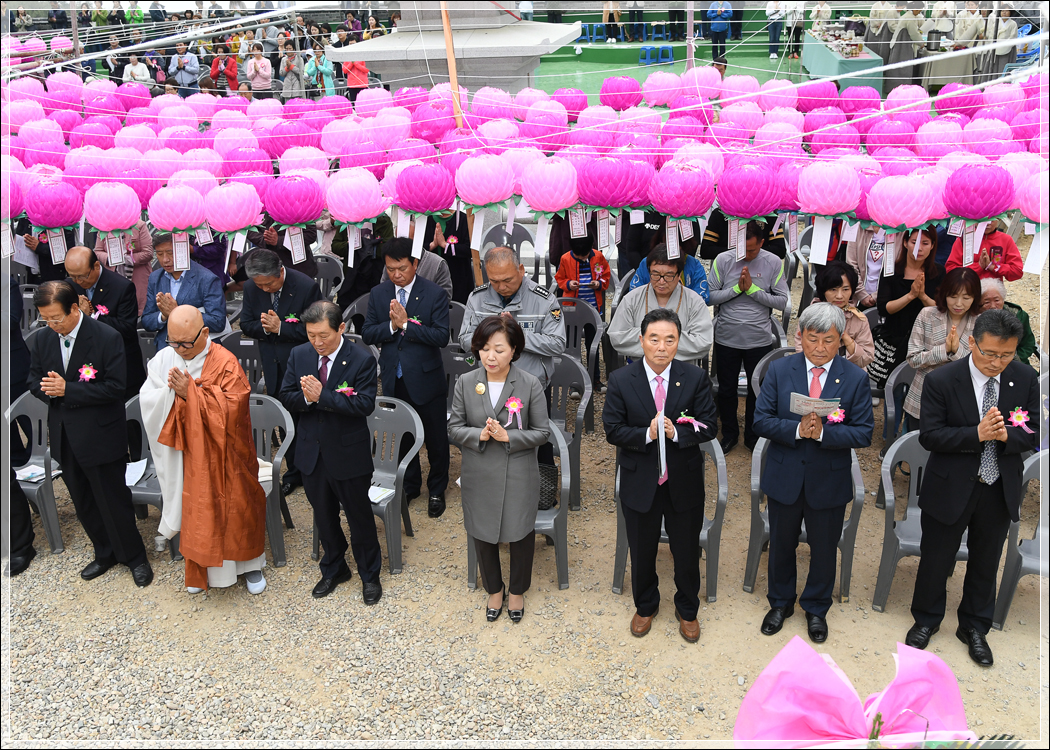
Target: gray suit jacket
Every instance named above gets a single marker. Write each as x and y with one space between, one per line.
500 481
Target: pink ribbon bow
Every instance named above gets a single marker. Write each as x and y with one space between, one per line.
803 699
1019 418
685 419
514 406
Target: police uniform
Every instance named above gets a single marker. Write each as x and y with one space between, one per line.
538 313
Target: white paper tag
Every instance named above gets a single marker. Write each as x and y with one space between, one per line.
619 227
968 245
298 248
322 236
793 232
417 236
1029 227
82 234
637 217
978 236
741 236
955 228
523 208
353 242
820 245
181 251
685 229
7 241
115 250
603 229
542 240
56 241
240 239
479 231
672 241
849 231
776 224
1037 252
889 255
203 234
511 207
404 221
734 225
577 223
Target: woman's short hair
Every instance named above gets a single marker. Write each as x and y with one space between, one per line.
658 257
993 283
959 281
221 48
830 277
257 46
492 325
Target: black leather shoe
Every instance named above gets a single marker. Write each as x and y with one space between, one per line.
977 644
774 619
19 563
95 568
818 628
410 496
919 635
516 614
372 592
728 444
493 614
436 506
750 444
287 488
143 575
326 586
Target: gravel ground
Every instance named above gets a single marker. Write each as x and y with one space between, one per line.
105 661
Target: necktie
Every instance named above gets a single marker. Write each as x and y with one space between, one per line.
814 384
661 398
990 455
402 298
91 293
322 374
276 297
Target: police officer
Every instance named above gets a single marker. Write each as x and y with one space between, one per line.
510 292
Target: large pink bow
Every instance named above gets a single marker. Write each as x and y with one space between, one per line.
803 698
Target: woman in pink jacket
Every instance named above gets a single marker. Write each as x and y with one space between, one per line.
259 72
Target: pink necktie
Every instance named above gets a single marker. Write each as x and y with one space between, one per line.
814 384
661 398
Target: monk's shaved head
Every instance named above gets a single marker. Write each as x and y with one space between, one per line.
186 326
80 260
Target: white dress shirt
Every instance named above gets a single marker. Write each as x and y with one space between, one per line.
651 374
71 338
980 380
823 379
331 360
397 296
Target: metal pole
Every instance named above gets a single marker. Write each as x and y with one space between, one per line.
76 35
690 40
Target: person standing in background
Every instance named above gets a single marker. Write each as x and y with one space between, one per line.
57 18
184 68
259 73
820 14
635 30
795 22
877 35
719 14
775 21
525 9
736 25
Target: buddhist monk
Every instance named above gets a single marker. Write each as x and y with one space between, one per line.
195 411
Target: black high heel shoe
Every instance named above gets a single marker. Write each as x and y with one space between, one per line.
517 614
493 614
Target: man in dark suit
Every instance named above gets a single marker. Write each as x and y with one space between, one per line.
808 465
78 370
408 319
271 238
274 300
331 385
22 550
636 395
109 298
972 423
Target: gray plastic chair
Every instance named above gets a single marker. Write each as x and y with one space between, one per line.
577 315
267 414
31 413
329 274
710 534
809 288
762 367
496 236
456 363
903 374
360 341
389 424
569 376
148 346
456 312
759 539
30 316
146 491
233 309
552 523
613 359
1023 558
873 316
247 352
354 315
902 538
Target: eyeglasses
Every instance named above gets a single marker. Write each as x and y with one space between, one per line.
664 276
1000 357
186 344
58 322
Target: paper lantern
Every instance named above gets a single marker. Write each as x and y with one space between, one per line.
229 139
12 169
787 185
529 96
425 189
371 100
855 98
246 160
980 131
959 97
817 94
201 181
139 137
316 119
205 106
340 135
13 204
111 207
549 185
177 208
620 92
724 133
682 191
227 118
163 163
784 115
181 139
745 114
409 97
660 88
232 207
97 87
412 148
40 173
736 89
444 91
605 183
430 123
867 182
642 173
64 80
41 131
51 154
778 133
294 199
896 161
898 201
939 132
1005 94
704 155
823 117
842 137
300 157
353 196
222 103
890 133
828 189
84 176
132 94
112 123
978 191
703 81
52 204
518 157
956 159
1031 163
1001 113
368 156
143 183
1034 197
748 191
777 92
692 106
387 128
389 182
485 179
258 180
492 104
452 161
574 101
120 159
1028 125
1040 145
205 159
682 127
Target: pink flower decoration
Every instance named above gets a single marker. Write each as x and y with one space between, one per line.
101 310
837 416
686 419
87 372
514 405
1018 418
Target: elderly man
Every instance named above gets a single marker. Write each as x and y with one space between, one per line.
808 462
78 370
275 298
195 411
663 290
109 298
168 288
993 297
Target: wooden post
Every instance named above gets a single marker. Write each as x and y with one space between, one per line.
690 41
457 109
76 35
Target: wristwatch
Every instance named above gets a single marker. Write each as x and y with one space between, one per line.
404 326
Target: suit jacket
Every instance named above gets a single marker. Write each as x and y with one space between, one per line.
821 467
200 288
308 266
948 430
336 426
501 481
92 411
630 408
117 295
418 347
19 372
297 294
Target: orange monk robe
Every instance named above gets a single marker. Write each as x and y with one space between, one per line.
223 504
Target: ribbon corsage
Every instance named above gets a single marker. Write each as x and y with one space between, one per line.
345 389
450 243
87 372
837 416
100 310
514 406
686 419
1019 418
290 318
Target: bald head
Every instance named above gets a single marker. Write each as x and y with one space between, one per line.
82 266
186 331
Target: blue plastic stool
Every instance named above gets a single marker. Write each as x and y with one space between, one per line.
661 34
596 35
666 55
647 55
585 34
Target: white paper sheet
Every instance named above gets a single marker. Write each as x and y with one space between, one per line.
822 407
133 472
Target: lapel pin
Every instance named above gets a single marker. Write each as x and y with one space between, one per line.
836 380
678 384
1011 384
344 362
480 389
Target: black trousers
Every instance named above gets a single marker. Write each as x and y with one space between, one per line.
727 368
988 521
21 521
103 504
554 16
736 26
522 553
435 435
327 496
718 44
676 20
636 28
795 45
823 531
643 540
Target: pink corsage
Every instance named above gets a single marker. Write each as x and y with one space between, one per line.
514 406
100 310
1019 418
685 419
345 389
415 319
290 318
451 242
837 416
87 372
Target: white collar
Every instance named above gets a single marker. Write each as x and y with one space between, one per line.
826 366
650 373
72 335
979 377
408 289
333 355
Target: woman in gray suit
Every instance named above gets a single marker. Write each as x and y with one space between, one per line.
499 419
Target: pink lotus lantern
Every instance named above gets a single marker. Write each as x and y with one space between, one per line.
430 123
979 192
143 183
205 159
181 139
13 146
64 80
736 89
366 155
113 209
25 88
724 133
22 111
178 208
52 204
1003 113
61 101
246 160
201 181
389 182
866 119
897 161
517 158
1028 125
787 185
39 173
178 116
485 180
120 159
748 191
704 155
91 134
163 163
817 94
682 191
620 92
826 190
41 131
339 136
574 101
898 203
84 176
956 159
601 121
824 117
605 183
51 154
262 109
682 127
226 118
959 97
232 207
139 137
236 103
295 108
318 118
444 91
498 134
354 197
231 139
777 92
13 205
890 133
549 185
745 114
12 169
371 100
703 81
111 122
204 106
907 98
1033 199
692 106
660 88
412 148
855 98
387 128
453 160
294 200
258 180
784 115
132 94
843 137
1040 145
337 106
410 97
529 96
425 189
97 87
1005 94
939 133
778 133
983 130
303 157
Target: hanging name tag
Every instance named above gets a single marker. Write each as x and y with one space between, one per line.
637 217
734 225
685 229
479 230
7 241
603 229
239 241
776 224
115 250
417 236
889 258
955 228
1029 227
404 221
181 251
1037 252
82 234
978 236
353 242
577 223
672 241
967 246
56 240
297 244
793 231
849 232
821 243
511 208
523 209
203 234
619 227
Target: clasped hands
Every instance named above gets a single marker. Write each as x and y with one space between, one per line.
271 322
992 426
311 388
654 429
166 304
179 381
398 315
493 429
54 385
811 426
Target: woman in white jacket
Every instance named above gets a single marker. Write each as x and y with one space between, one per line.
794 23
877 37
1006 30
820 15
905 35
